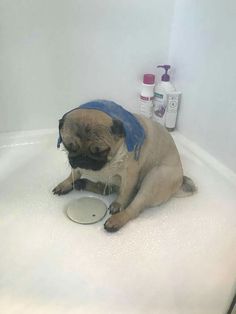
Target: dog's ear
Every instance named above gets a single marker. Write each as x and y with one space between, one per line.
117 128
61 122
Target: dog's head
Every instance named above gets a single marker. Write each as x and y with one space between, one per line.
91 137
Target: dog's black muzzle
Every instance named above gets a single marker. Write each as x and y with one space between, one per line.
87 163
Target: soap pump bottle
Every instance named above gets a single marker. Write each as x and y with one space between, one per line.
160 95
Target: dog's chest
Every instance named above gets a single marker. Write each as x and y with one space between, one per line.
111 172
106 175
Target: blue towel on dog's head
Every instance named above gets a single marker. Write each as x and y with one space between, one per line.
134 132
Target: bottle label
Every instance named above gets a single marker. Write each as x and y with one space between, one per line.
146 98
173 100
146 107
159 105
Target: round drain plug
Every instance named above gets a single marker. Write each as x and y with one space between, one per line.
86 210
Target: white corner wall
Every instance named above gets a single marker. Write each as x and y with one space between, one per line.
56 54
203 52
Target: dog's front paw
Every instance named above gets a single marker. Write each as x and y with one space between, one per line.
80 184
115 222
62 189
114 208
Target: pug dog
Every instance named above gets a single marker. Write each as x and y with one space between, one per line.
102 161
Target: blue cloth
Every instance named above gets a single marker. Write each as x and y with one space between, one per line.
134 132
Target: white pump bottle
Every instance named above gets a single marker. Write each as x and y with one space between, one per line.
160 96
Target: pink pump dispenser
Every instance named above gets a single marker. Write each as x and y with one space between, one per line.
165 77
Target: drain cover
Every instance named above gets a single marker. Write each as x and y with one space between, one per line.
86 210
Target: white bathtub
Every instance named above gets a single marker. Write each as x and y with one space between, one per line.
178 258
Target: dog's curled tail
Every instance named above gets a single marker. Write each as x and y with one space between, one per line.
187 188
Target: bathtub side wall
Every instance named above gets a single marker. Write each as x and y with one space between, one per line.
203 52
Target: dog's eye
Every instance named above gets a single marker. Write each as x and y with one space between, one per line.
71 147
95 149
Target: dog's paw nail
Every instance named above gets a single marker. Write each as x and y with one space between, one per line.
116 221
61 190
110 227
114 208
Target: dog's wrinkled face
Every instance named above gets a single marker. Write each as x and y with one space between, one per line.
90 137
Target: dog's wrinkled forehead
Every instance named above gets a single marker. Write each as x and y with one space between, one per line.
90 117
89 125
85 123
75 127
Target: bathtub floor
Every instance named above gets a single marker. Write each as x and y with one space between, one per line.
178 258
